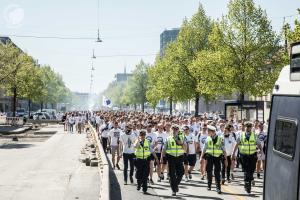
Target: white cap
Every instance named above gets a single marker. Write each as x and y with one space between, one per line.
212 128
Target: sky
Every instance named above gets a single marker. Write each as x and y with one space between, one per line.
130 31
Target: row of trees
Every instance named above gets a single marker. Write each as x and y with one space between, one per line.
239 54
22 78
133 91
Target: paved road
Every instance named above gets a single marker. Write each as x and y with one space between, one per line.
195 189
46 170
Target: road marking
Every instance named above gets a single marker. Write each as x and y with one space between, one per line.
226 188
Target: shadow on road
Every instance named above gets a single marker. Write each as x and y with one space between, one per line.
15 146
115 189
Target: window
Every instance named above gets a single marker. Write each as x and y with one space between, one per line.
285 137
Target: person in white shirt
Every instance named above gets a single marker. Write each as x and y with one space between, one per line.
201 140
190 157
98 122
262 136
229 143
114 140
71 121
80 123
151 137
104 133
127 141
161 138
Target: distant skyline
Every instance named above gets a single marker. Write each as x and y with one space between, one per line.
130 30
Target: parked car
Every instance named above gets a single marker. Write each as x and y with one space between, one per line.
40 115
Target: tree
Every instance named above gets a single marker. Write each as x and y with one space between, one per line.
15 67
252 49
293 35
192 39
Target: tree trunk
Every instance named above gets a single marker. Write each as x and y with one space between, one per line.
14 101
135 107
197 98
171 106
242 96
29 107
41 106
143 106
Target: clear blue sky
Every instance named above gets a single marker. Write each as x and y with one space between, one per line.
128 27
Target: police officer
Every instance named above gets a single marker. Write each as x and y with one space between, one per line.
174 151
142 153
214 148
247 143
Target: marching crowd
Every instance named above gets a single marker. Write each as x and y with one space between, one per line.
163 147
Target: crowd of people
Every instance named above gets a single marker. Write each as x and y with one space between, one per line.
167 147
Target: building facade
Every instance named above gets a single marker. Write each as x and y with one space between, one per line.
166 37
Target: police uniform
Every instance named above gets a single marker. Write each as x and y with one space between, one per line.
247 143
174 155
142 154
214 148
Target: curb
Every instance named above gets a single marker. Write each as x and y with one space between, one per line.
103 167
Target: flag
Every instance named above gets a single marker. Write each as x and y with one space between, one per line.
106 102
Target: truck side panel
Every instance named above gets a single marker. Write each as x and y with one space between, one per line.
282 161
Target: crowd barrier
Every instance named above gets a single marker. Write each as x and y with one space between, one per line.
13 121
103 167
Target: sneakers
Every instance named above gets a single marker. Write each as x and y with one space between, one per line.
229 180
232 177
186 179
151 182
219 191
209 188
131 179
138 188
117 165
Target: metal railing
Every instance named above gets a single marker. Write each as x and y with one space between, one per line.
103 167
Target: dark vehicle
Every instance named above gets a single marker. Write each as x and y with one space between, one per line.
40 115
283 145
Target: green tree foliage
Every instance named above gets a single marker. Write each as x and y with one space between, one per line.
254 55
22 78
293 35
133 91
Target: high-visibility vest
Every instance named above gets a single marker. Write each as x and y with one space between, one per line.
247 147
172 148
212 149
143 152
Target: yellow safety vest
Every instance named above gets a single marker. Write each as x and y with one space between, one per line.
247 147
212 149
172 148
143 152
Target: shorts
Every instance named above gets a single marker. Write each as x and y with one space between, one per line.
151 157
190 159
164 158
261 156
114 149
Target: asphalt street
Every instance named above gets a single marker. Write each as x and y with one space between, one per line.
194 189
46 169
